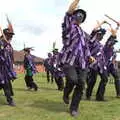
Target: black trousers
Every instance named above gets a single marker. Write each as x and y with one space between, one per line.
8 91
59 82
115 75
49 76
75 79
56 74
91 80
30 82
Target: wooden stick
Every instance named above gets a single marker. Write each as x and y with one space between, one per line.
10 27
108 23
113 19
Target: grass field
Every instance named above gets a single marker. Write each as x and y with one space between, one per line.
47 104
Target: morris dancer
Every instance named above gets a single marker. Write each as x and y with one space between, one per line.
56 71
98 67
30 68
74 56
110 57
6 65
48 66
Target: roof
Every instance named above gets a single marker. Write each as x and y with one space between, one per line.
19 57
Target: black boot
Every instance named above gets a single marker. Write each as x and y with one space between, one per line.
34 86
74 113
66 99
10 101
117 87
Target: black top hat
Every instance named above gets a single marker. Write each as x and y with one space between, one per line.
101 31
6 31
80 15
112 42
55 50
115 41
28 49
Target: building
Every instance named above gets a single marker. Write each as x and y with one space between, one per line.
18 62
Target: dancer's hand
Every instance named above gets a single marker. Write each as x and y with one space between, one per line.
99 24
113 31
73 6
91 59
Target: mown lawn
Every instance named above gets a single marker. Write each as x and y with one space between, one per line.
47 104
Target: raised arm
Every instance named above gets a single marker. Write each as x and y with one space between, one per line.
99 25
73 6
114 31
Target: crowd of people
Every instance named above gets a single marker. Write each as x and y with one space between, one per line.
81 59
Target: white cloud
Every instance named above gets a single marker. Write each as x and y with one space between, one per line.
45 17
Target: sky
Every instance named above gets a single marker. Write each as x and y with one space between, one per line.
37 23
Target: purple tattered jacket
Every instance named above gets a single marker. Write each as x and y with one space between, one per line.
96 50
6 62
75 49
29 64
56 70
109 51
47 64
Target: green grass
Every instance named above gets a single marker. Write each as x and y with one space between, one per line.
47 104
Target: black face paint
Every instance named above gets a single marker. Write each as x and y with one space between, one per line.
99 36
79 17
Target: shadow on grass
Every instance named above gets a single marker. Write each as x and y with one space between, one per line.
3 100
40 82
49 105
107 98
23 89
40 88
46 88
20 89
